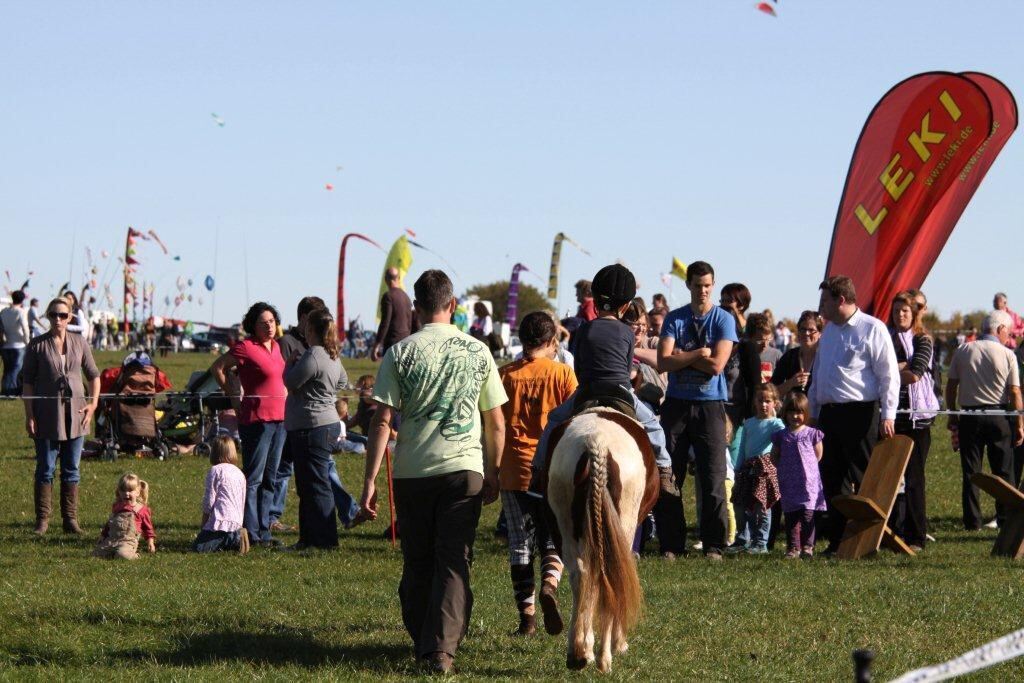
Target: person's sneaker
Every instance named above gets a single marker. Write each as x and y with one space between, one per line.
994 524
699 545
792 554
735 548
668 556
807 553
439 662
757 550
713 555
527 625
915 548
277 526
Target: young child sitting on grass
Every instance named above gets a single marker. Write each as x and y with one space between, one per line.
130 517
223 502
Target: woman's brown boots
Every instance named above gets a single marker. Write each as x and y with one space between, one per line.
43 499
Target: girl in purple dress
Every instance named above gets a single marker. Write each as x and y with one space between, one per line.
796 451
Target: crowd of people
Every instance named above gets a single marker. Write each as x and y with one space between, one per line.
772 425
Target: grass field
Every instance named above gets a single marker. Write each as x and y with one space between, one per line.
273 615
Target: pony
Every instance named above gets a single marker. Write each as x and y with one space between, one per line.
601 482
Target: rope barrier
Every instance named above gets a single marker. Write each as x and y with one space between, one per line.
1000 650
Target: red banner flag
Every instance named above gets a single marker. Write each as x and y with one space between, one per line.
340 321
921 155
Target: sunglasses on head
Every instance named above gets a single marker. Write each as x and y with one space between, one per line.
58 316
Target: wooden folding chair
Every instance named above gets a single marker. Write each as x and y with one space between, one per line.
867 511
1010 541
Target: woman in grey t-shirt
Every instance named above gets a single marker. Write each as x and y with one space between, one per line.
311 419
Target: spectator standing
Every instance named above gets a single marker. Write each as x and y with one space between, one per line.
397 320
59 421
445 465
585 298
854 395
16 335
983 375
260 411
696 342
783 337
999 303
292 344
914 350
36 321
793 370
313 378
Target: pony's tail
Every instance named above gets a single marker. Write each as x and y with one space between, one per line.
610 580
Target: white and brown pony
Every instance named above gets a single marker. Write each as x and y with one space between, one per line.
601 482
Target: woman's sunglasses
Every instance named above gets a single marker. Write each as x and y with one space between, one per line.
59 316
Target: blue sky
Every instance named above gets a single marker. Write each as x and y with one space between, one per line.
643 130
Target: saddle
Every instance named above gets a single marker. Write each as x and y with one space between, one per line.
604 395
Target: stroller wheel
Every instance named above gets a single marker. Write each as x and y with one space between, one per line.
202 449
109 453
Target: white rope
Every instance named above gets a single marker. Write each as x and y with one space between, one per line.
1000 650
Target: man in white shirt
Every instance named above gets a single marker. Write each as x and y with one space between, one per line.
983 375
856 382
16 336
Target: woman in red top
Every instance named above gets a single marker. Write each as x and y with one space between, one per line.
260 410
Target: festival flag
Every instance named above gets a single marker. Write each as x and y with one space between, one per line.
908 182
936 229
556 257
341 280
512 308
400 257
678 269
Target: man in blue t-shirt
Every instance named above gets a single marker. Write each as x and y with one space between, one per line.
696 342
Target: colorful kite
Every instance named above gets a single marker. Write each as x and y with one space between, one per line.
208 283
766 8
152 233
556 256
329 187
922 153
341 280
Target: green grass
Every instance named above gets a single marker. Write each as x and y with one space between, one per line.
272 615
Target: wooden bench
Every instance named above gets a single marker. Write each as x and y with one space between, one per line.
867 511
1010 541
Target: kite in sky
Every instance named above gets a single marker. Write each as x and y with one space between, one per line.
762 6
218 120
329 187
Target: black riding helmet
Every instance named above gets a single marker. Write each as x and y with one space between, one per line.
613 287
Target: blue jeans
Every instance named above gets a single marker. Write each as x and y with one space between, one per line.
284 474
12 370
212 541
752 528
312 451
343 500
644 416
262 443
70 453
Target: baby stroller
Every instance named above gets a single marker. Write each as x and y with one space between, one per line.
130 417
191 417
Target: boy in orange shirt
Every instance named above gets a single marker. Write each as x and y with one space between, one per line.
535 385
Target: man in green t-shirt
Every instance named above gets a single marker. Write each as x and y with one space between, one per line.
445 384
